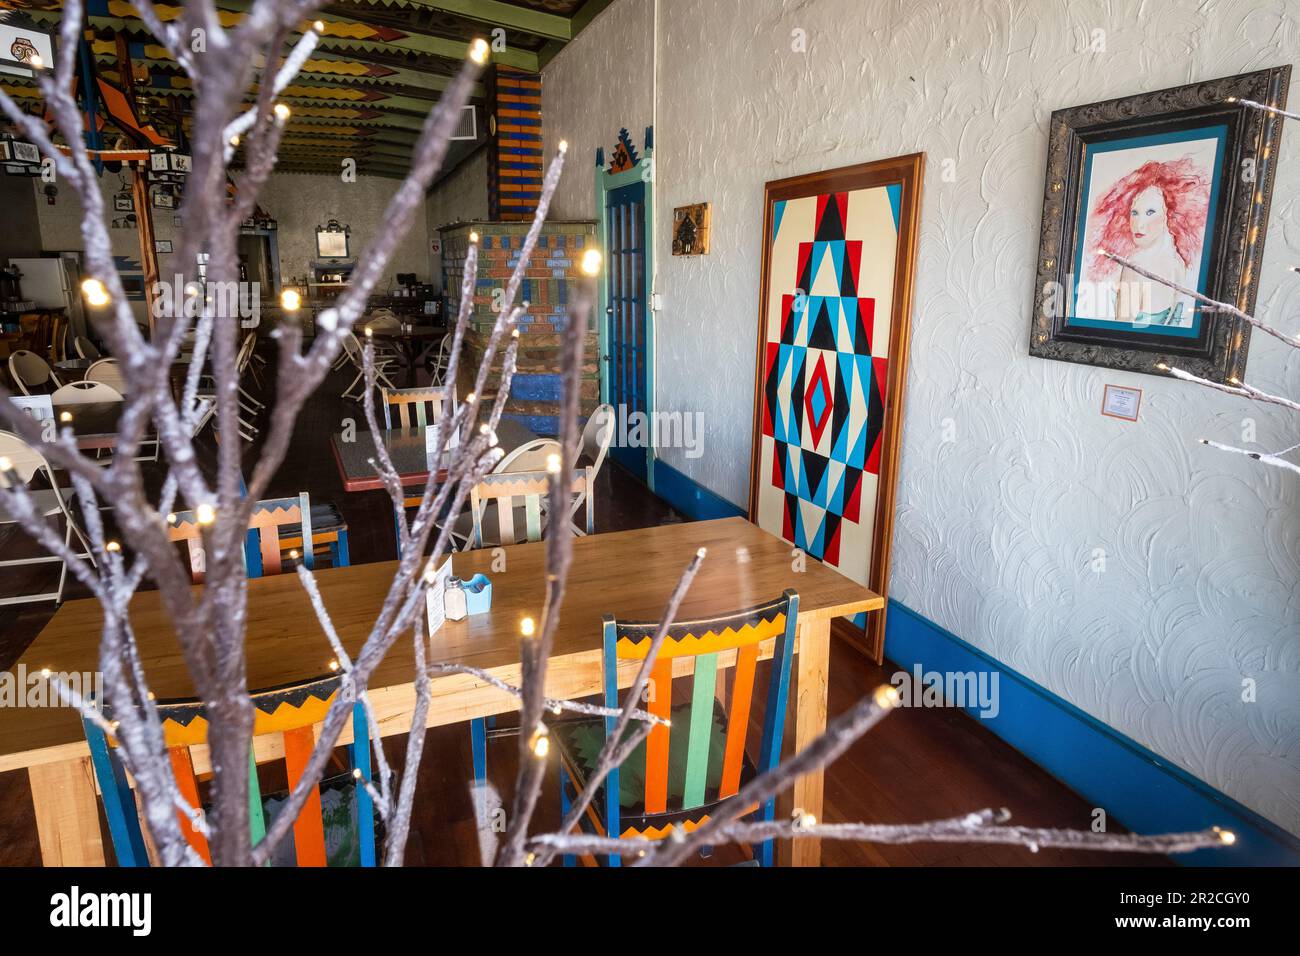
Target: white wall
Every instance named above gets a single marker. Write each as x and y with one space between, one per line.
302 202
461 196
996 530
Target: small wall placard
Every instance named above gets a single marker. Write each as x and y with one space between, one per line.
1119 401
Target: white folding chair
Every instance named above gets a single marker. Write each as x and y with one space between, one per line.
23 462
85 348
355 354
109 373
85 393
29 371
596 438
416 407
441 360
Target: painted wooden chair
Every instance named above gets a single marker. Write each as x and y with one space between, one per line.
345 816
497 502
681 774
516 494
271 517
415 408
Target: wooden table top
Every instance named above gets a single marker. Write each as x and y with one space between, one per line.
406 449
628 573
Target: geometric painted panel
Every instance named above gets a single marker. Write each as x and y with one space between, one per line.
825 368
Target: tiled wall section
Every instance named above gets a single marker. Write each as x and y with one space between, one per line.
515 151
548 288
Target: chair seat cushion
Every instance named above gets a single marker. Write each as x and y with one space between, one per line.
580 742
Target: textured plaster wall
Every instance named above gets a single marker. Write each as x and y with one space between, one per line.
997 528
460 197
301 203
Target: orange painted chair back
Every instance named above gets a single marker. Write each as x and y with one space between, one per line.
290 711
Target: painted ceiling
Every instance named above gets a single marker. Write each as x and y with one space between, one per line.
377 70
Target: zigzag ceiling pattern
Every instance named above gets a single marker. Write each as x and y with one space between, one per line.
378 68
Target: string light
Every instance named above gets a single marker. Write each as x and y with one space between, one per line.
553 464
65 416
35 62
540 745
886 696
369 332
94 292
293 555
471 398
564 145
282 111
205 513
45 672
5 463
171 517
806 820
1227 836
113 546
334 665
290 300
591 262
527 627
473 237
478 51
319 26
1162 366
234 140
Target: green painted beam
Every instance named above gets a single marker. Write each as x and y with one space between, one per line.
494 13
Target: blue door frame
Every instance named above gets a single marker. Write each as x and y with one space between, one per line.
624 204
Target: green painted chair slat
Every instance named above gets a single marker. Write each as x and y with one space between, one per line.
256 818
533 516
697 749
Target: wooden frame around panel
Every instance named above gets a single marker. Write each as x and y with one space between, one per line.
907 171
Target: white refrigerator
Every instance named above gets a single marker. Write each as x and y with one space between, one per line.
54 282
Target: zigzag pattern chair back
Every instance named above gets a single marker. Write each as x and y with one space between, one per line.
410 405
291 711
518 489
268 517
704 640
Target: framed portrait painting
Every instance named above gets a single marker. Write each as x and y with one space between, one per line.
1173 185
839 249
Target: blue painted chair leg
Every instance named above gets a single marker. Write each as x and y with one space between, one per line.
365 806
763 851
569 858
478 749
334 554
341 557
119 802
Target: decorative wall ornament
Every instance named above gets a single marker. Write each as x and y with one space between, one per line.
624 156
691 230
1177 182
834 322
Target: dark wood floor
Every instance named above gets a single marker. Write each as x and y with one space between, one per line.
919 764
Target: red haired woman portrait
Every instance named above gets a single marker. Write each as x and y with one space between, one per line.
1154 217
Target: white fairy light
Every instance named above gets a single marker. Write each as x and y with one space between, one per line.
95 292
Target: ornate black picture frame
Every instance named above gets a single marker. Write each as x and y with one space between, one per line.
1185 174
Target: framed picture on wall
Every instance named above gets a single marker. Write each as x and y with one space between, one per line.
1174 184
839 253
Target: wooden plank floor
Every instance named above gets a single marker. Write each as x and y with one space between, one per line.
918 764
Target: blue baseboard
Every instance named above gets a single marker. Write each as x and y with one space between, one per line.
691 499
1142 791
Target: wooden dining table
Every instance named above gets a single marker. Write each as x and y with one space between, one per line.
629 574
354 449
